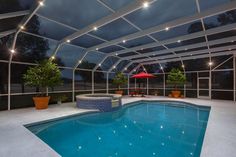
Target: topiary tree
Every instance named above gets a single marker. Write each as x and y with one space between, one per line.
45 74
119 80
176 77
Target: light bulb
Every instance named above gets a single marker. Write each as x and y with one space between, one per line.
145 4
41 3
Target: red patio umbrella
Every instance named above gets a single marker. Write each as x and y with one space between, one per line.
143 75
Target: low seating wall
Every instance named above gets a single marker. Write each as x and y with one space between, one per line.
102 102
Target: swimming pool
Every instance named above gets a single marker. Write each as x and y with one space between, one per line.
163 129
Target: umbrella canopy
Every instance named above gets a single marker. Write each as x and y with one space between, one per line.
143 75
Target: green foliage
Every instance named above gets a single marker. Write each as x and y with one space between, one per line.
119 79
45 74
176 77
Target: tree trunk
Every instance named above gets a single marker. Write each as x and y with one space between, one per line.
176 87
46 91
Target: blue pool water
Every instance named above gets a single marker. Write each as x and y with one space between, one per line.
143 129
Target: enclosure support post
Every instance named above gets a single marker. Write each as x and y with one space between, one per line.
210 86
164 85
92 82
197 85
234 77
9 85
107 83
184 90
147 86
185 86
128 85
73 86
135 83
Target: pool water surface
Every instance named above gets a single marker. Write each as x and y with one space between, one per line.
141 129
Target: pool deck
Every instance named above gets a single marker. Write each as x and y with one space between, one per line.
17 141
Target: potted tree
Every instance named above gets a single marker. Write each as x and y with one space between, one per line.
42 76
176 77
119 80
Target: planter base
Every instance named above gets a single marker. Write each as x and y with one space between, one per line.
41 102
176 94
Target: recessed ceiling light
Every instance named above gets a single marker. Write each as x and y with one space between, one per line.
183 66
125 68
41 3
95 28
145 4
232 41
114 67
96 49
124 41
167 28
179 41
116 54
80 61
99 64
185 49
161 67
12 51
210 63
22 27
53 57
230 49
68 41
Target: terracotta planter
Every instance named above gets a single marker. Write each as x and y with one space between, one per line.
175 94
119 92
41 102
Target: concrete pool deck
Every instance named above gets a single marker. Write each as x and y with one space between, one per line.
17 141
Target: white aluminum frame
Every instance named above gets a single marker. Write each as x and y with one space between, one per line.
23 23
120 14
198 88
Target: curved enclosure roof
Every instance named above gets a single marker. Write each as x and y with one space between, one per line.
118 35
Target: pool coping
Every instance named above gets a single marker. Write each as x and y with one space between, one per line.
211 147
125 105
59 118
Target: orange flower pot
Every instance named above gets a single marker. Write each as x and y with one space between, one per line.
175 93
41 102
